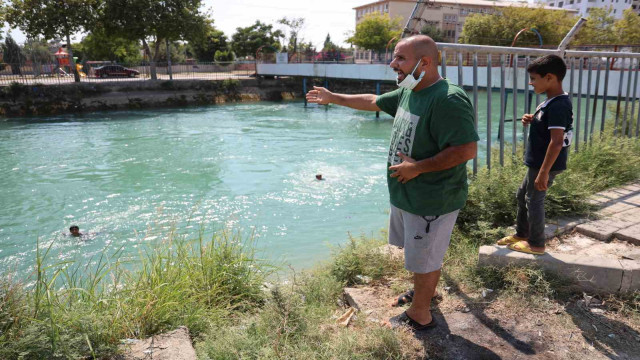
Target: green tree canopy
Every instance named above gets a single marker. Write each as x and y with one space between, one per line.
295 26
375 31
627 29
433 32
99 45
598 29
501 27
52 18
224 56
153 20
177 50
205 47
37 50
247 40
13 55
328 44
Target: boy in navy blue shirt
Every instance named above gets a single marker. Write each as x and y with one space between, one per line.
550 132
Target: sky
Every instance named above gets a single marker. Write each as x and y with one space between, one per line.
335 17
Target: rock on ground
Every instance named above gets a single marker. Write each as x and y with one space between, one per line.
174 345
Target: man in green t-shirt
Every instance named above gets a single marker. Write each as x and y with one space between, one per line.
433 137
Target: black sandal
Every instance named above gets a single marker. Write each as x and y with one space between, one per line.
404 320
407 298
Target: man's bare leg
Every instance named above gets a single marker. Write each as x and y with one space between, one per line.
425 287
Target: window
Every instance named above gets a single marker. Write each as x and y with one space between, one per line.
560 3
571 2
579 1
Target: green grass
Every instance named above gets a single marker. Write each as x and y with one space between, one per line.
606 162
298 320
72 311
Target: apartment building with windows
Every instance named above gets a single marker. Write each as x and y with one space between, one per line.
584 6
446 15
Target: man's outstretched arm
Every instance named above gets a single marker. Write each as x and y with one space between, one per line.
322 96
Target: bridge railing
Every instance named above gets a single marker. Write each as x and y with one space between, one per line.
600 84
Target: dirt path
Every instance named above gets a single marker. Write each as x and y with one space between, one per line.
492 327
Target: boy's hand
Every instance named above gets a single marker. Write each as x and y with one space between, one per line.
319 95
526 119
542 180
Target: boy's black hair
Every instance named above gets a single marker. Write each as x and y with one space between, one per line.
548 64
74 227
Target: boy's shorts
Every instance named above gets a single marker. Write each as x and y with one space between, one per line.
425 239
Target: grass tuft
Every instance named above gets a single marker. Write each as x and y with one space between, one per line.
76 310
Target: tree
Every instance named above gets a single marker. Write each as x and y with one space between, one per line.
328 44
433 32
224 56
598 29
98 45
294 25
37 50
247 40
501 27
205 47
176 50
153 21
13 55
375 31
52 18
627 29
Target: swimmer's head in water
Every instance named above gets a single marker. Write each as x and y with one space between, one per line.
75 230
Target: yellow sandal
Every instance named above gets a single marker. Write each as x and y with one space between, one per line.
524 247
511 239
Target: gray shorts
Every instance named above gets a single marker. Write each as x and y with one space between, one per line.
425 239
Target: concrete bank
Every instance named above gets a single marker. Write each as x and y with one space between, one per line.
25 100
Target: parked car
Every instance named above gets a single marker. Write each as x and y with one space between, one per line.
115 71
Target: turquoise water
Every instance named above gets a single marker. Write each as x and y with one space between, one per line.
128 178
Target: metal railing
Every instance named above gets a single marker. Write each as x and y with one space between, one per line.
51 73
596 88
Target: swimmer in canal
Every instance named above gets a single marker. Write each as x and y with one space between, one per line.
75 231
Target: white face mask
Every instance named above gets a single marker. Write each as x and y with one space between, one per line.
409 81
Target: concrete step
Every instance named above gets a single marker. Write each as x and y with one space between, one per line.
591 273
604 229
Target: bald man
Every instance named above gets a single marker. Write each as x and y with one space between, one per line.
433 137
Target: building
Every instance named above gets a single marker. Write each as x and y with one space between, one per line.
446 15
583 6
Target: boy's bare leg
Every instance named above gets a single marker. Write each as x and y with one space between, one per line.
425 287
